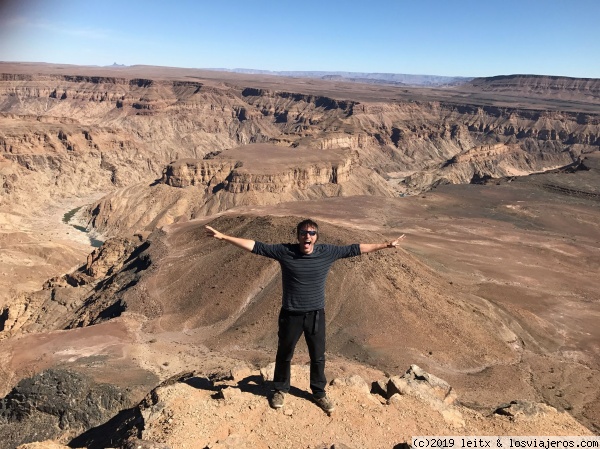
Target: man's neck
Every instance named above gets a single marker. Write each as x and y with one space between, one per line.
312 250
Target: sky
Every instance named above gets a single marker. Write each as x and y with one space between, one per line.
427 37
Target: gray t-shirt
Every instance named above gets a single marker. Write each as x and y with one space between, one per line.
304 275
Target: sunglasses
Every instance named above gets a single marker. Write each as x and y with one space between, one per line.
303 233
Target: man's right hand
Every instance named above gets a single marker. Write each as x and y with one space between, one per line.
212 232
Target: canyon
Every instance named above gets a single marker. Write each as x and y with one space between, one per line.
494 181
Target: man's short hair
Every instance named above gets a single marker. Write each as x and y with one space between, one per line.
308 223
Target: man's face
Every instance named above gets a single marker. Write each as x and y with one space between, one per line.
306 241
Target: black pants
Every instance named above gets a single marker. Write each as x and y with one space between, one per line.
291 326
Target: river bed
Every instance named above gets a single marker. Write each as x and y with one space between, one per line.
68 216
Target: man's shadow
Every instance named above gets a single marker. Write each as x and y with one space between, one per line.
251 384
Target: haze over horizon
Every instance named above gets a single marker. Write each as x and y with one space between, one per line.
465 38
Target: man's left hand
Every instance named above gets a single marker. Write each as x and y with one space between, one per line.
396 243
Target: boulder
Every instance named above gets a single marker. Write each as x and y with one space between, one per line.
432 390
417 382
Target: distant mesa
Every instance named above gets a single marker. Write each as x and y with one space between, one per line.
548 85
368 78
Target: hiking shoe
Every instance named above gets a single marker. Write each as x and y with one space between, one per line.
277 399
325 403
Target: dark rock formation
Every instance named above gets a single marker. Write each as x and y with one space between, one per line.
55 403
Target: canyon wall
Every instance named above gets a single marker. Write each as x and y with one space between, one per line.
69 135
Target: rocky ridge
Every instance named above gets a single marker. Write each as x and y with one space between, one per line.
129 275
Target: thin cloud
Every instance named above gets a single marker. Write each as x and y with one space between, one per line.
57 28
15 21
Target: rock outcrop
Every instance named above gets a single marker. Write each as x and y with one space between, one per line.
191 172
55 404
62 297
233 176
490 162
432 390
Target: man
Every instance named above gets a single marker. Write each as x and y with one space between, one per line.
304 269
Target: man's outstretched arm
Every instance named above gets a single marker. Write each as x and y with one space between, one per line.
370 247
246 244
